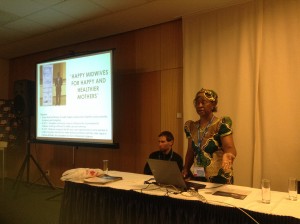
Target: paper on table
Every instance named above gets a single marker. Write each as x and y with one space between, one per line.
102 179
234 193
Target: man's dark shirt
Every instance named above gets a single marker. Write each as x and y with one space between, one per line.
172 156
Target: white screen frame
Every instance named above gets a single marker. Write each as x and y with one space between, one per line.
85 113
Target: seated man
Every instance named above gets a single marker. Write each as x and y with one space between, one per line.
165 152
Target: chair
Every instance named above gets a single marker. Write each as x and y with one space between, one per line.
3 146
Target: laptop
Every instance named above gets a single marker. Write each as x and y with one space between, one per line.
167 173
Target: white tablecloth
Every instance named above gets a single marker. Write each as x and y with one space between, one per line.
280 204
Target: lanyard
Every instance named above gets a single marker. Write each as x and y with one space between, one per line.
164 156
204 132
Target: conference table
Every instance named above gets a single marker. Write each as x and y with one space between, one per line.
131 200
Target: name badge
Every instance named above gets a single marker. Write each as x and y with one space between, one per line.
199 171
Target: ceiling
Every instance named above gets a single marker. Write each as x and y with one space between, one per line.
29 26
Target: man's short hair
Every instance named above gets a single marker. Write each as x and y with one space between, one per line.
169 136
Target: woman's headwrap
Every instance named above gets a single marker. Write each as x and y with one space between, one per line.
210 95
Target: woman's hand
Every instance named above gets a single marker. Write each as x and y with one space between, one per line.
229 152
227 161
185 174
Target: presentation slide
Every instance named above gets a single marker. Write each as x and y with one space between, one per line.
74 99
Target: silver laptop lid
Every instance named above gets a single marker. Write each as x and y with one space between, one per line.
167 173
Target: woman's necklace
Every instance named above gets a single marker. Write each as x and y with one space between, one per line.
200 138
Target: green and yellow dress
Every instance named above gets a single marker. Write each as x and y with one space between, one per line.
207 147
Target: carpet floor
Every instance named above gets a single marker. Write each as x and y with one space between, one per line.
29 203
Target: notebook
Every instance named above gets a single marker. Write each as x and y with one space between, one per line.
168 173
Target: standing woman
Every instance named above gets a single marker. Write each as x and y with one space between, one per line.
210 142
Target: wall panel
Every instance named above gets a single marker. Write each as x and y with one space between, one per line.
4 66
148 49
147 116
171 105
171 38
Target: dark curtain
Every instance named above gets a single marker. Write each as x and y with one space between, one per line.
87 204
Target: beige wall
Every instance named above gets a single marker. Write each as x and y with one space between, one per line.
147 98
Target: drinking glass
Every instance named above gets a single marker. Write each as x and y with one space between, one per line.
292 188
105 166
266 191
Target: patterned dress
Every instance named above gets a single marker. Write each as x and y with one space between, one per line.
210 153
